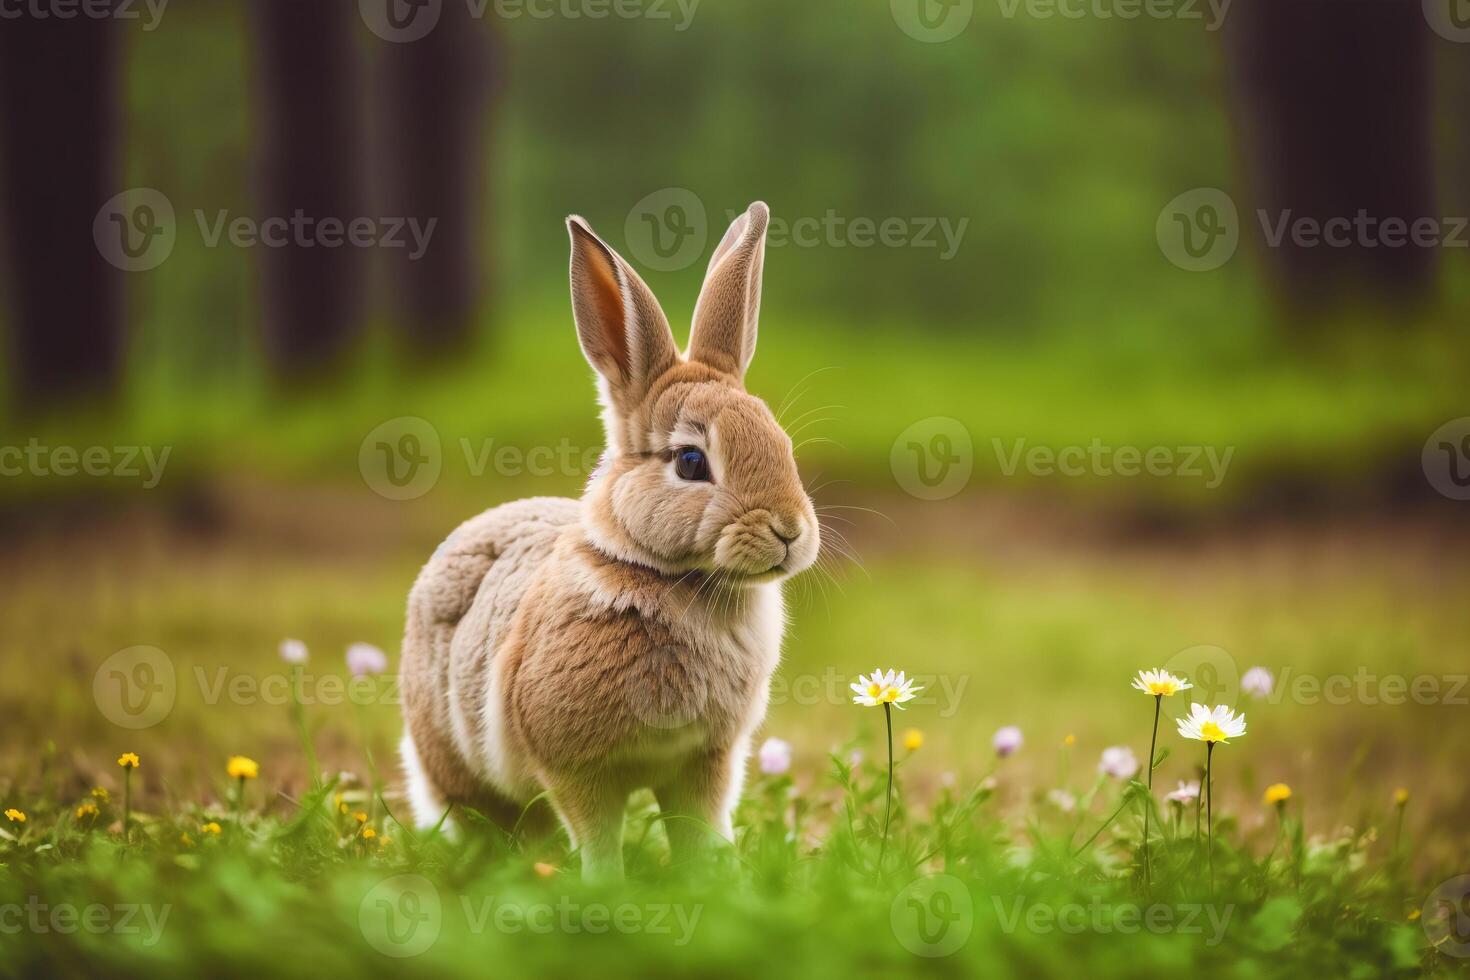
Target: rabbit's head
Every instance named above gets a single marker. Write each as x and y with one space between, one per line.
698 474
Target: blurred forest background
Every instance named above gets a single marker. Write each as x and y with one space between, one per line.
1056 144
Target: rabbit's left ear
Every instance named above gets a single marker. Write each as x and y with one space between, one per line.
726 315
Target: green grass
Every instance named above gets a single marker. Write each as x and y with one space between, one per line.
1028 890
1033 627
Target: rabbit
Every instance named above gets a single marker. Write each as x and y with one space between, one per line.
588 648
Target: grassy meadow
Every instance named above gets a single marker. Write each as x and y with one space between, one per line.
1026 601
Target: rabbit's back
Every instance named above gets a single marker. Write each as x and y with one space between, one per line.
458 611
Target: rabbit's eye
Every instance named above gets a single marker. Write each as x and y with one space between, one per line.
690 464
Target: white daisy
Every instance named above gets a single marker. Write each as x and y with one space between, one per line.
884 688
1217 724
1160 682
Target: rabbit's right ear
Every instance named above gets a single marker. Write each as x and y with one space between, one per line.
623 331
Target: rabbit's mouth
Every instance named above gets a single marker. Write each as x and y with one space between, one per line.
761 548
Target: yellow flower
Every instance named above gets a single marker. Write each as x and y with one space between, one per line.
128 760
1069 741
1400 796
360 817
87 810
913 739
100 795
241 767
15 816
1160 683
210 828
384 841
368 833
884 688
1413 915
1277 793
186 840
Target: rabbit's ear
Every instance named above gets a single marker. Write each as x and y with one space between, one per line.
730 301
622 329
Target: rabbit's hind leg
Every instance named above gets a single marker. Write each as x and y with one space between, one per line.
428 804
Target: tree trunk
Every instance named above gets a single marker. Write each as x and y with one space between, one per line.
310 161
436 97
1334 100
59 82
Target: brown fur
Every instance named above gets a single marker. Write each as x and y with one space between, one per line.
589 648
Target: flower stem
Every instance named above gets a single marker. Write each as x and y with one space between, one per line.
298 715
888 808
240 803
1106 824
1149 803
1210 810
127 799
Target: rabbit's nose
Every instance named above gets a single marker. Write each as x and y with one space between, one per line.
784 539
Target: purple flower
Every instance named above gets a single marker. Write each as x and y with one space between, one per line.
1119 762
293 651
1258 682
775 757
1007 740
364 659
